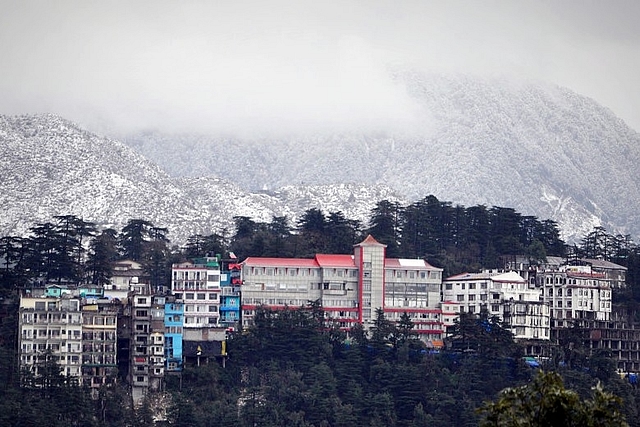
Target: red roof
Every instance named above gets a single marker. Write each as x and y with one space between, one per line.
370 241
326 260
280 262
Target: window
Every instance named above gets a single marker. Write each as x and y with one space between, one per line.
201 296
142 300
495 307
460 297
213 278
189 295
213 309
472 285
448 286
472 297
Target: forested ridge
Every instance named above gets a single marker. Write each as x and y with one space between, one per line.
290 368
68 249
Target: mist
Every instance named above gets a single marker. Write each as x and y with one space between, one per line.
274 68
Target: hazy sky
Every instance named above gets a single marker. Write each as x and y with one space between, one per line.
272 65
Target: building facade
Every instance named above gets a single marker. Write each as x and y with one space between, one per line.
350 287
50 327
197 284
504 294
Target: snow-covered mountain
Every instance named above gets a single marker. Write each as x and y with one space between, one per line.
539 148
50 166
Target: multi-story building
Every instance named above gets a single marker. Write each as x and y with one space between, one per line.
349 287
156 341
197 284
230 283
140 301
575 292
173 321
50 327
504 294
99 349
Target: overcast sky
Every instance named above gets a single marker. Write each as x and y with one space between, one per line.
223 66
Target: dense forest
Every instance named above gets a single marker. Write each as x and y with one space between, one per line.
456 238
290 369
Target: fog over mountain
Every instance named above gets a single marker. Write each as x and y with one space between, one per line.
442 98
539 148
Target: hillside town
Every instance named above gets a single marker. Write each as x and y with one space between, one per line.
141 333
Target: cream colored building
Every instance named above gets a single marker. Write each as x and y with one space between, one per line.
50 326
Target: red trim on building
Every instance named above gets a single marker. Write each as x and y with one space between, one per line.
360 282
412 310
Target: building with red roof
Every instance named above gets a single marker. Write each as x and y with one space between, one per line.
350 287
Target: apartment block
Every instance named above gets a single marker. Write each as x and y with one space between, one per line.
50 327
504 294
197 284
99 338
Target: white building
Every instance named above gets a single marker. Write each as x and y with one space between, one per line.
503 294
575 292
197 285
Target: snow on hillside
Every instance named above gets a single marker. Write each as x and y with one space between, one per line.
50 166
536 147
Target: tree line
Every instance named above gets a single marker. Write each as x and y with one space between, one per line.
68 249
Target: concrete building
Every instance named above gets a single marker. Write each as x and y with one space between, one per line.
50 327
197 285
350 287
173 321
504 294
140 301
575 292
99 338
230 283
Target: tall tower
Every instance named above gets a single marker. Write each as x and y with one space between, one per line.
369 258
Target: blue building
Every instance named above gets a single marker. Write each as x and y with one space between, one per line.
230 282
173 322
